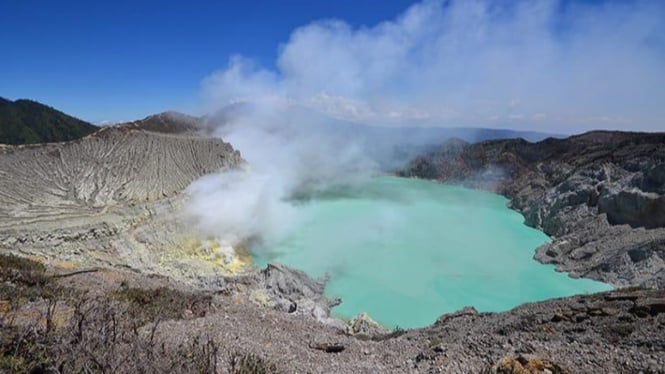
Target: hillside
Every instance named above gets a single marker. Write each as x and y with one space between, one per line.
599 195
28 122
116 193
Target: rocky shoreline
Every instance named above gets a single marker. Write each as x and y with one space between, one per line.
600 196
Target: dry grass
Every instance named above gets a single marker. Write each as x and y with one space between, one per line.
146 305
115 333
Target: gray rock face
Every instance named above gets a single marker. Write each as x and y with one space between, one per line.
599 195
363 324
618 331
635 207
109 199
289 290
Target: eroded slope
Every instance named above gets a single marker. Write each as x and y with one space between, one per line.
111 198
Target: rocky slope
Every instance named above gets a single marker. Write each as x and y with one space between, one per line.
599 195
605 333
113 320
112 198
26 121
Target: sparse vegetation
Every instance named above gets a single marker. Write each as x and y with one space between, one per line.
397 332
249 363
434 342
23 280
524 365
145 305
114 333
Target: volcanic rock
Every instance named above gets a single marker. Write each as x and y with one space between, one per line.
599 195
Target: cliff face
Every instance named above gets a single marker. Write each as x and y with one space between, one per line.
600 195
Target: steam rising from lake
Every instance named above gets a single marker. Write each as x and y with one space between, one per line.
526 65
550 65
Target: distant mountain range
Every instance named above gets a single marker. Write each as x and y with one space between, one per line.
390 147
313 121
27 122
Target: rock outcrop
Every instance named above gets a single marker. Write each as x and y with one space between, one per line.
289 290
616 331
599 195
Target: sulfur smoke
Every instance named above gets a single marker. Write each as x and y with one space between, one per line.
557 66
289 156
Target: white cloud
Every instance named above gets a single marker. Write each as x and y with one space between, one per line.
474 59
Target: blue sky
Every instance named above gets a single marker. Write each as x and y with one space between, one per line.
119 60
550 65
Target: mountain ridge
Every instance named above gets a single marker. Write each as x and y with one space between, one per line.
25 121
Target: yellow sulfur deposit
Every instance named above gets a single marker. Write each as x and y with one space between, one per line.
228 259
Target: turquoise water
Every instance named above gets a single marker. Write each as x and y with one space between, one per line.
406 251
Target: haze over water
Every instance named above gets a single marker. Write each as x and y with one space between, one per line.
406 251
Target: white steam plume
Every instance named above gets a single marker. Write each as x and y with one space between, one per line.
539 65
290 154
